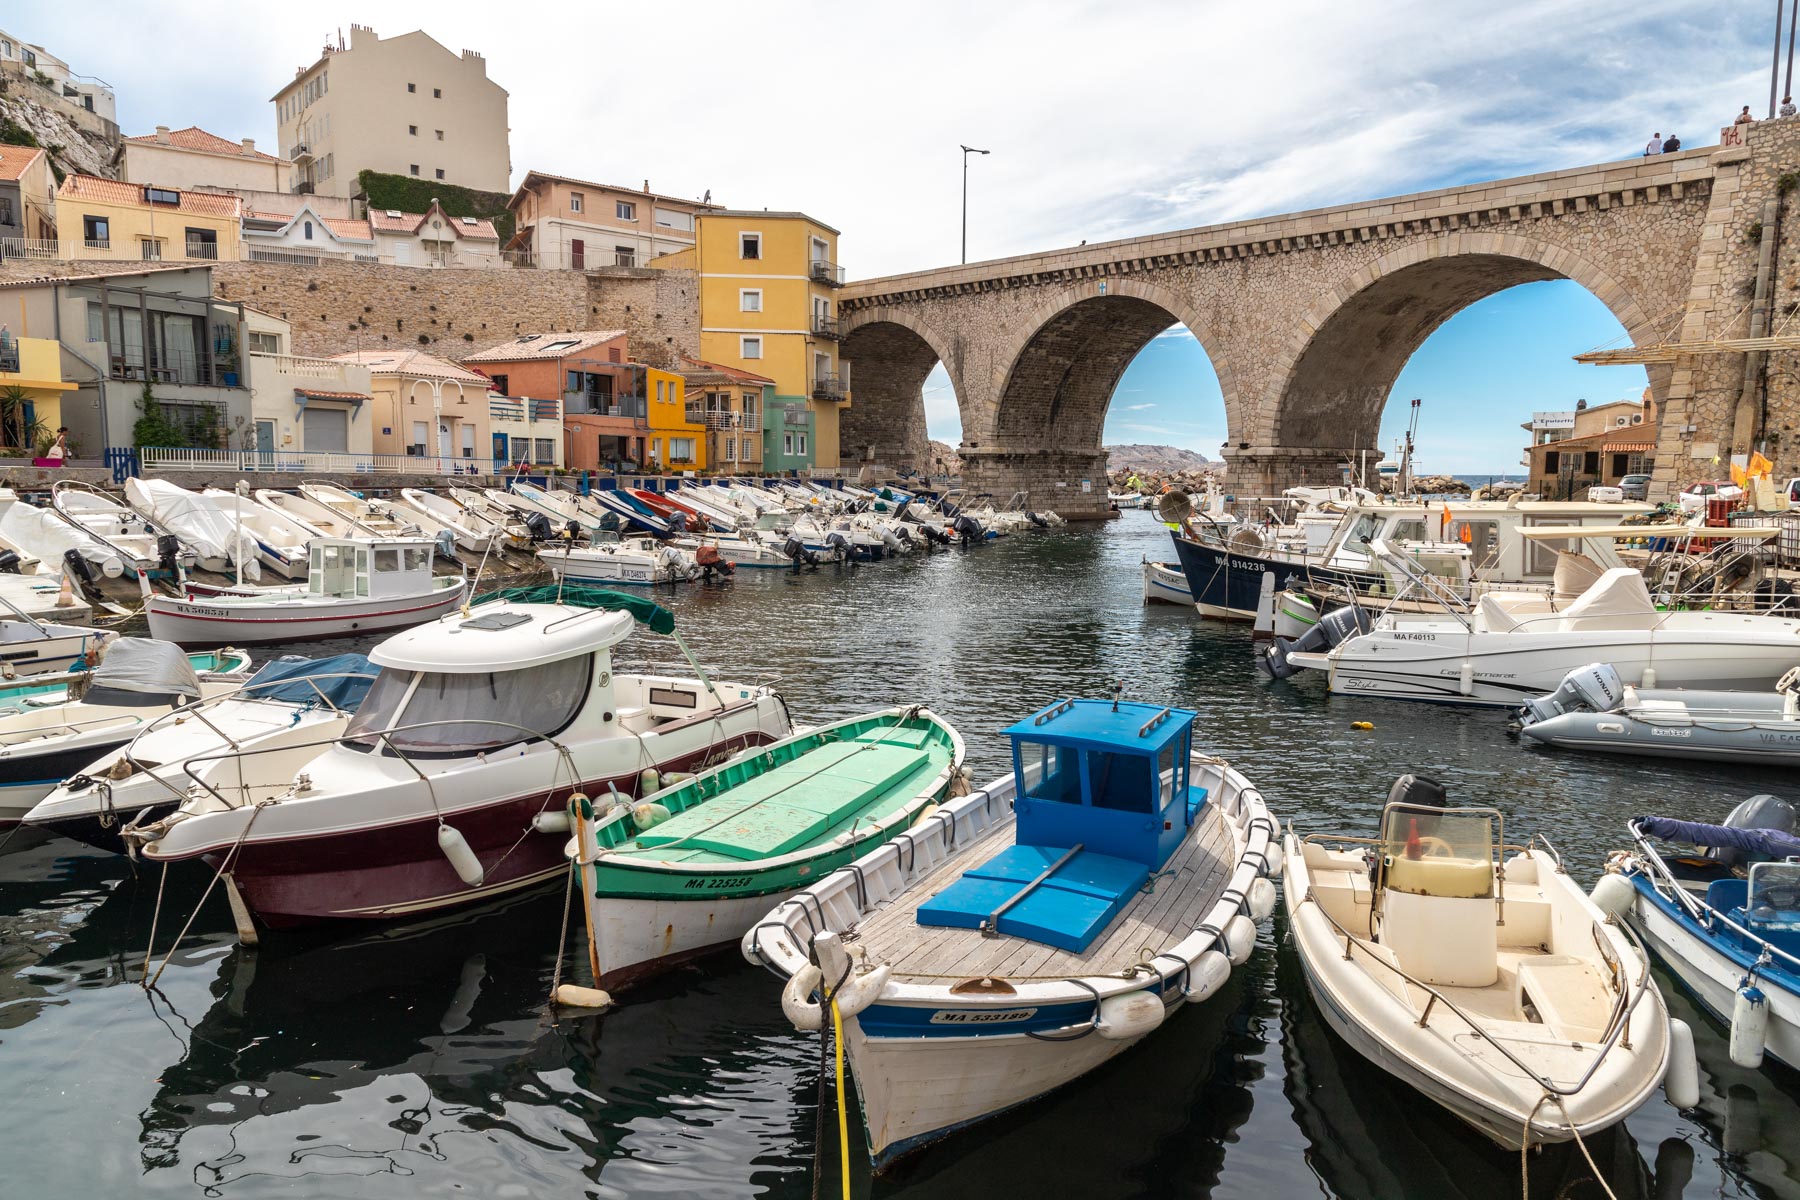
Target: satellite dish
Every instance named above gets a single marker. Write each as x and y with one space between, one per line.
1174 507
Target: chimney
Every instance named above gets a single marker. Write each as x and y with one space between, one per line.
249 145
162 134
646 187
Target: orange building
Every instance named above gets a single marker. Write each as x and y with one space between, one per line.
605 421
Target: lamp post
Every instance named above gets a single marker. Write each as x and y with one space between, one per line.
967 150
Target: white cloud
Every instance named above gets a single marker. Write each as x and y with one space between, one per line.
1137 407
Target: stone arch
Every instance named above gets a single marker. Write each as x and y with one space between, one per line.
1353 341
890 352
1053 385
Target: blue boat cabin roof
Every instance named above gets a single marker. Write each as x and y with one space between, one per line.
1092 724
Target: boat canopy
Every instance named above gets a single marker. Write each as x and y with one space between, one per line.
648 613
1760 843
148 666
341 680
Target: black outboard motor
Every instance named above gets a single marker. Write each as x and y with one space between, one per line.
936 534
1418 789
797 553
1335 627
1758 812
78 567
9 562
842 548
168 552
538 526
967 528
571 532
1036 520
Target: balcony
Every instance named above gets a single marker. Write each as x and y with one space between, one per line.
604 404
43 249
300 152
830 387
829 274
320 370
826 327
795 418
104 243
203 250
9 357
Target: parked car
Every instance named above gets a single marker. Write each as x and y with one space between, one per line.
1635 487
1793 490
1695 495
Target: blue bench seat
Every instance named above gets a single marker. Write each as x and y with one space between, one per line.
1068 910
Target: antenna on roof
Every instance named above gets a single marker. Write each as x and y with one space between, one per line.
1118 694
707 199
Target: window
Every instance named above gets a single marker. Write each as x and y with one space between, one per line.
427 712
307 231
749 347
625 210
1120 782
546 452
1552 461
264 343
6 211
575 202
96 232
659 391
151 250
440 172
437 93
750 245
681 450
440 134
417 448
794 444
1590 462
730 454
669 219
1050 772
414 168
500 382
96 322
468 440
412 130
749 299
156 195
412 87
624 256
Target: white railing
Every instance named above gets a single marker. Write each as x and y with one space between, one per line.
40 248
726 419
303 366
305 462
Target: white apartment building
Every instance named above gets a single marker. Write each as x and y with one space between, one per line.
83 91
402 105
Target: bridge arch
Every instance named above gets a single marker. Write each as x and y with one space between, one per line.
890 352
1352 342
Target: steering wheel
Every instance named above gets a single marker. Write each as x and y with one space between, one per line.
1436 847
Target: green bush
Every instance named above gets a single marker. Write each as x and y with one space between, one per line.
407 194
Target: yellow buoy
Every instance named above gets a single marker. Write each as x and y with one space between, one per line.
1362 724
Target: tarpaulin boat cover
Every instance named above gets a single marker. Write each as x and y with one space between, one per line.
286 679
647 612
147 665
195 519
40 532
1761 843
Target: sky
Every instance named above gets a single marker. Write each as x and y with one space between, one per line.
1105 120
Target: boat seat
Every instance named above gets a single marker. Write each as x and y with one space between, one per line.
1068 910
1727 894
1570 996
1527 922
1441 939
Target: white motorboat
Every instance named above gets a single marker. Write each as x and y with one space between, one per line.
486 506
1124 500
280 541
1165 584
317 520
29 647
137 681
291 701
212 533
611 559
130 538
372 518
738 551
474 531
354 585
1510 646
478 725
1011 942
1593 710
560 508
1477 972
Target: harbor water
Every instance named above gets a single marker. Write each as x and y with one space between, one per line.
406 1061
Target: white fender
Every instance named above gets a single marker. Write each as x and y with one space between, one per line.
860 991
572 995
1681 1078
456 848
1261 899
1749 1026
1613 895
797 1004
1209 973
1276 863
648 816
649 780
1240 937
1129 1016
551 820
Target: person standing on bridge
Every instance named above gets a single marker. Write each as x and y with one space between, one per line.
1744 117
1671 144
1654 145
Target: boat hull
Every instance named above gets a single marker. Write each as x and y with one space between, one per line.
26 779
194 622
1165 584
1227 584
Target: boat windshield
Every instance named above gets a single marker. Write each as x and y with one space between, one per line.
1438 851
1774 896
434 712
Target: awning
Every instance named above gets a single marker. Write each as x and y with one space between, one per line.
1545 533
1628 447
302 395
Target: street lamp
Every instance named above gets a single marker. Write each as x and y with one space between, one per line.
967 150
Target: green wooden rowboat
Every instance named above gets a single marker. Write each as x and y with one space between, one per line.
690 868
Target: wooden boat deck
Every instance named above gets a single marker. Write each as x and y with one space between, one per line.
1180 897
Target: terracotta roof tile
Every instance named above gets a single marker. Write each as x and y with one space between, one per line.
113 191
699 366
196 138
321 394
15 159
394 221
411 362
346 228
534 346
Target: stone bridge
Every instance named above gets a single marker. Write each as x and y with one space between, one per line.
1308 319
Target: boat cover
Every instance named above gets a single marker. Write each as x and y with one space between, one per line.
647 612
41 532
196 520
1762 843
1068 910
1617 600
149 666
286 679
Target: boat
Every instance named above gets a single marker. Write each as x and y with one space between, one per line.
559 508
289 702
482 506
1510 646
475 532
353 585
628 508
1478 973
136 681
371 518
30 647
129 537
280 542
1593 710
1124 500
198 523
689 869
1725 922
25 692
1165 584
317 520
477 724
610 559
1028 933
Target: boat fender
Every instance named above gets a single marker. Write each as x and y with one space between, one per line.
1240 939
1613 895
649 780
1749 1025
456 848
1363 725
797 1004
1681 1078
649 816
1261 899
571 995
1130 1016
671 778
551 821
112 568
1275 864
925 814
1208 975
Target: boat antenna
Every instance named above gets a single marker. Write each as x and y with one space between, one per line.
698 669
1118 693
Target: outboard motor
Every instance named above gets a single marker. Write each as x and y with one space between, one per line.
712 562
842 548
1036 520
78 567
446 544
9 562
1334 628
797 553
168 552
1758 812
967 528
538 526
934 534
891 541
1593 688
678 523
1418 789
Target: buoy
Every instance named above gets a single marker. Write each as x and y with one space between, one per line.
1240 939
1362 724
572 995
1130 1016
649 816
1681 1079
1261 899
1209 973
1749 1025
456 848
1613 895
649 780
551 821
112 568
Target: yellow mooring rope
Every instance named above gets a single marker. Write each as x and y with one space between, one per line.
837 1027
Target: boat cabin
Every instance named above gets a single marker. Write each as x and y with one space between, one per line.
353 568
1103 801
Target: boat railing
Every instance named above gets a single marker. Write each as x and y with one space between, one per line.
1663 880
1429 585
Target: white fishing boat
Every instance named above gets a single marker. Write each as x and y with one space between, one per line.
611 559
1594 710
371 517
1164 583
280 542
473 531
1013 940
1125 500
137 681
317 520
1478 973
291 701
212 533
449 785
353 585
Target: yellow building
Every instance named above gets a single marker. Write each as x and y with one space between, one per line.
32 366
138 222
768 283
677 437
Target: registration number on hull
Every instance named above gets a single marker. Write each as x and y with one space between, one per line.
957 1016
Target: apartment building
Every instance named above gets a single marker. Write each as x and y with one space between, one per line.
81 94
303 403
426 406
677 432
403 105
31 367
575 224
731 404
27 203
589 375
193 158
112 219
